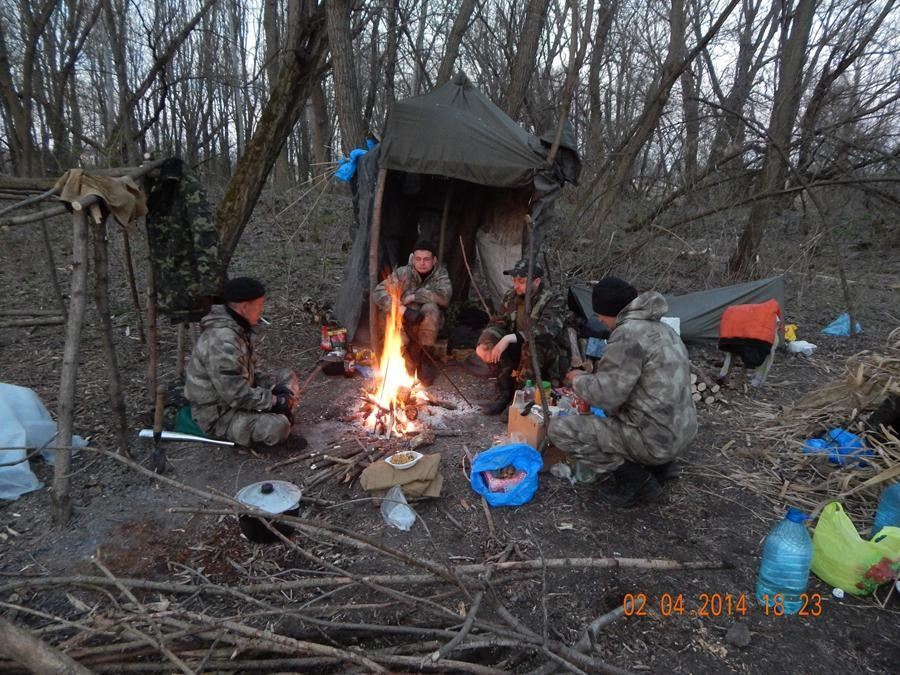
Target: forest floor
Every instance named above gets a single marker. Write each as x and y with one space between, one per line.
124 517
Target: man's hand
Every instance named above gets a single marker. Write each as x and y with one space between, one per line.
571 376
501 346
409 298
284 400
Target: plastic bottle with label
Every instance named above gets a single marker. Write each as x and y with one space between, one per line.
784 570
888 513
528 391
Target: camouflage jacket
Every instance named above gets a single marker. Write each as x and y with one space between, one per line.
548 314
221 372
436 287
184 244
644 381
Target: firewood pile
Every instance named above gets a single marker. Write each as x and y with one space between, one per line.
396 611
704 390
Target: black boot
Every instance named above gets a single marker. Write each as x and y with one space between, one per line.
426 368
633 485
666 472
507 387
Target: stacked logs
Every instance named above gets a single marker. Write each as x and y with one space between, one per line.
704 390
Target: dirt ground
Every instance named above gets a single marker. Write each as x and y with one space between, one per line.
705 516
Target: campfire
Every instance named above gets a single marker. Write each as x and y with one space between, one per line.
391 407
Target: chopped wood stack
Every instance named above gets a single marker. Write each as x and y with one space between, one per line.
705 391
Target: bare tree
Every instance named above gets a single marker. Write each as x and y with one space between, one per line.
785 106
525 56
346 88
454 40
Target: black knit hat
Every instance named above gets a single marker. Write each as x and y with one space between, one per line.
425 245
242 289
611 295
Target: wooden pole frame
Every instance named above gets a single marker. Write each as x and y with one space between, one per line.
374 249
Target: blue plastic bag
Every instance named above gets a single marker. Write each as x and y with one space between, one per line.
840 327
523 458
841 447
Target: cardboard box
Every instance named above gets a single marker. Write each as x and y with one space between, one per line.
531 426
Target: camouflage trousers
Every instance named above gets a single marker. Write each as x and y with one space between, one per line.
601 443
247 427
424 333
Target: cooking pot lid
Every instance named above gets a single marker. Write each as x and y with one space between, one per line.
272 496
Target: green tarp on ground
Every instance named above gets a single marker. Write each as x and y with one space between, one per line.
701 312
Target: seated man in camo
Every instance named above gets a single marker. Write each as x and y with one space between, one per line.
229 399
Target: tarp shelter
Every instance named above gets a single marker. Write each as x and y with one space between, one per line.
451 166
700 312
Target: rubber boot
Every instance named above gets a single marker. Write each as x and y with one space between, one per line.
666 472
633 485
507 386
425 368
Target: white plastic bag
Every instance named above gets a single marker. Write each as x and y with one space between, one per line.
396 511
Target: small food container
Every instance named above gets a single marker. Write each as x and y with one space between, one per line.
277 497
405 459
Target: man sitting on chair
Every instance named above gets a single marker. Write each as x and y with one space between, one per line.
425 291
229 399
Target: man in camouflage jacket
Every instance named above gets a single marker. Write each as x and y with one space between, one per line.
643 383
229 399
504 341
424 291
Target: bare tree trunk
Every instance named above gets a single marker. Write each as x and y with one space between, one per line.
454 40
526 55
62 506
320 134
390 54
784 113
596 149
298 76
24 649
346 89
419 73
691 110
281 172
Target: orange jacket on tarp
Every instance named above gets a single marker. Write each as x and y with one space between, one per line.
754 322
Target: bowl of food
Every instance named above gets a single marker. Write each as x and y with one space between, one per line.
405 459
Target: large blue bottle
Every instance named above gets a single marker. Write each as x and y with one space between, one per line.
784 570
888 512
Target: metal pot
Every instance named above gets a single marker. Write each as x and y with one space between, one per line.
277 497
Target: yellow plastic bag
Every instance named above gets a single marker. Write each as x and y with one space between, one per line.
845 560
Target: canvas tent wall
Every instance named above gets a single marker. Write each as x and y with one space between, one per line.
700 312
451 165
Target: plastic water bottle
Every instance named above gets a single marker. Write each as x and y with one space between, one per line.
888 513
529 391
784 570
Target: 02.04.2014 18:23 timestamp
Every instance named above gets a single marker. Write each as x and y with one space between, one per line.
713 605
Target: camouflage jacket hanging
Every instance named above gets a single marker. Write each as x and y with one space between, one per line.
184 244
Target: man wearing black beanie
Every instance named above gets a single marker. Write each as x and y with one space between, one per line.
229 399
643 383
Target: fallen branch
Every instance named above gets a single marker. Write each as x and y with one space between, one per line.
26 650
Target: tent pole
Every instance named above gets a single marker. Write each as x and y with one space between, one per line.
374 245
447 197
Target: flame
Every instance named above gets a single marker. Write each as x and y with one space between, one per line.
392 373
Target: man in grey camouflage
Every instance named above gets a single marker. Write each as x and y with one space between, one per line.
229 399
424 290
643 383
184 243
503 341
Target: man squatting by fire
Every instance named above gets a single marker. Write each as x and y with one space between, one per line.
503 341
424 290
229 399
643 383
